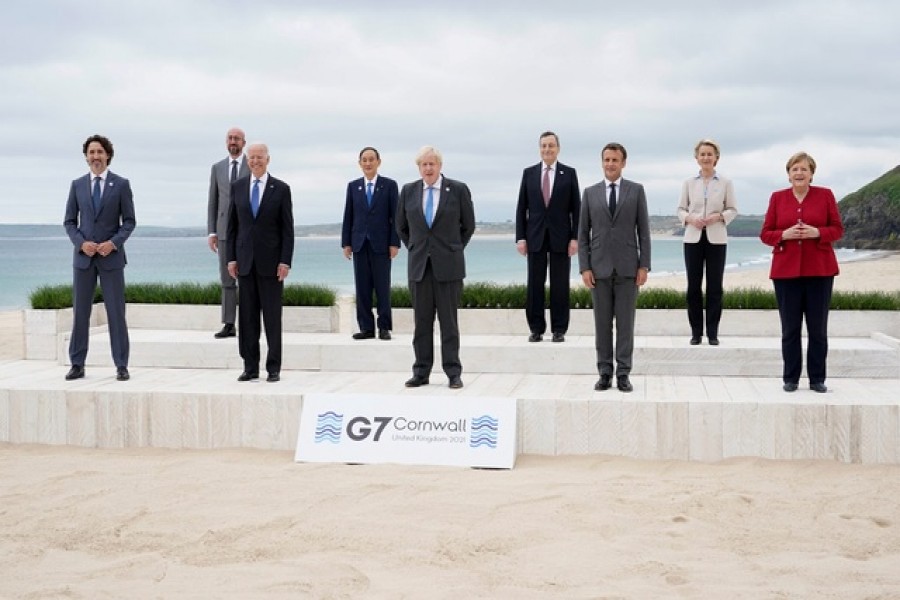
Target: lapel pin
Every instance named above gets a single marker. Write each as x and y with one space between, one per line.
447 189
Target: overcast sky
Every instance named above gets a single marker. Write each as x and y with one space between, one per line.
480 80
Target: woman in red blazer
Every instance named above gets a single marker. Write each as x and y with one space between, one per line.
801 223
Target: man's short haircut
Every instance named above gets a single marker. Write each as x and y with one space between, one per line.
363 151
548 134
615 146
103 141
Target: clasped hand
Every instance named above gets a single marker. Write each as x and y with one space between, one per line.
800 231
103 248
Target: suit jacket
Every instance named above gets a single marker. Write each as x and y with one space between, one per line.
719 198
115 220
560 218
374 223
267 240
219 207
451 229
620 242
802 258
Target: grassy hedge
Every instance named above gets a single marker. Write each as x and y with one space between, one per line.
60 296
475 295
490 295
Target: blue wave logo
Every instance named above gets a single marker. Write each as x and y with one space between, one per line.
484 432
328 427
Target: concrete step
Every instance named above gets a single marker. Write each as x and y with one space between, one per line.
876 356
666 417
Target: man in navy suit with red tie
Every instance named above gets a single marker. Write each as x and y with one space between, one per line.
260 246
547 233
99 218
370 238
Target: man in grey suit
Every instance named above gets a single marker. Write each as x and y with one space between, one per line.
99 218
614 259
435 220
223 174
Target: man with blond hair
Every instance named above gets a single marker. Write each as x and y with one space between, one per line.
435 220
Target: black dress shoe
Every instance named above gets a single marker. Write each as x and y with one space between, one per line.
384 334
535 337
76 372
695 341
623 384
789 387
227 331
274 377
248 376
604 383
416 381
455 382
364 335
713 341
818 387
558 336
122 374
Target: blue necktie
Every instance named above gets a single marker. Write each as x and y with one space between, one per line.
254 198
429 207
233 170
95 195
369 193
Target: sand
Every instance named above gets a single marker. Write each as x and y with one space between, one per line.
879 272
148 523
77 523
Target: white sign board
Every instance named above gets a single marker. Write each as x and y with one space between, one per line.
417 430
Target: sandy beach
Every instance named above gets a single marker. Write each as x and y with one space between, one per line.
148 523
96 524
879 272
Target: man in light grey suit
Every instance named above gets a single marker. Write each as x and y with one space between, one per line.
435 221
99 218
614 259
223 174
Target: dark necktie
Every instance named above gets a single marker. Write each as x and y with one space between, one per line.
612 199
95 195
429 207
233 170
545 186
254 198
369 193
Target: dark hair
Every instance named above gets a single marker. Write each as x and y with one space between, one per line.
615 146
548 134
103 141
363 151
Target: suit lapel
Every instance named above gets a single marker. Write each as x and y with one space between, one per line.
442 203
623 197
267 196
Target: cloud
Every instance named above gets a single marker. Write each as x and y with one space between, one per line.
318 81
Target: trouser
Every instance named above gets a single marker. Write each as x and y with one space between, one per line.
799 298
712 257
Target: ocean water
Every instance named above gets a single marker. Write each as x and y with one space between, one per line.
31 262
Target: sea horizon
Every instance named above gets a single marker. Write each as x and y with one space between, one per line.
42 255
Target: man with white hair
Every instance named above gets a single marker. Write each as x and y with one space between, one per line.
435 220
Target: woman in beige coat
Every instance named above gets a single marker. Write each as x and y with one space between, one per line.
706 207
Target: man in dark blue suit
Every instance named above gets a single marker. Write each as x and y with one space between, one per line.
547 233
260 246
99 218
370 237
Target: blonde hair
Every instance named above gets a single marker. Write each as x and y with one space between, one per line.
799 156
711 144
429 150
